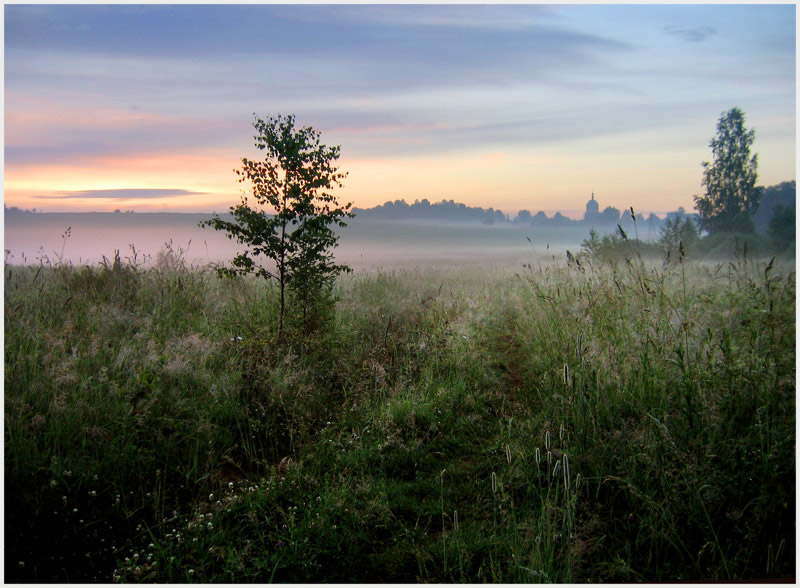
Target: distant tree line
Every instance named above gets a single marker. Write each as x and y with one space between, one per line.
777 204
444 210
12 210
774 218
451 211
609 218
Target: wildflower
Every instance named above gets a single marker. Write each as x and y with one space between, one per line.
230 485
190 572
211 497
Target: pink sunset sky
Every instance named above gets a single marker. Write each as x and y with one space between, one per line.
515 107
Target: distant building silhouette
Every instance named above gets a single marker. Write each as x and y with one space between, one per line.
592 214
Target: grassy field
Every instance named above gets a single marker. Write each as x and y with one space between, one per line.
552 423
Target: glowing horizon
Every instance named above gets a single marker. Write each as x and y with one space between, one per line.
511 107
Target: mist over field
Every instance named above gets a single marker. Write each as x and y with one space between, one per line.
364 243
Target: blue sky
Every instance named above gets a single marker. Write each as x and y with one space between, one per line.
512 106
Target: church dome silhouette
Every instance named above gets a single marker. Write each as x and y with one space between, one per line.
592 207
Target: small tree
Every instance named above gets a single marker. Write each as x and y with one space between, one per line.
679 232
730 181
591 247
295 180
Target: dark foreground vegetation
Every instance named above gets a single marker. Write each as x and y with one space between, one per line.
597 421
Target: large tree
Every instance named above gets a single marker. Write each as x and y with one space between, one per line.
294 180
730 180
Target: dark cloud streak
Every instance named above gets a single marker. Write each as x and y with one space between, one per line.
391 53
694 35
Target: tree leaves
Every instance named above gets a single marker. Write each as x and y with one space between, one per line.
294 180
731 194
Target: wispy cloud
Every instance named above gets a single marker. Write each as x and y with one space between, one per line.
694 35
120 194
328 48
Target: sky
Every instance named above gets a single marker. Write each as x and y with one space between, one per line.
523 106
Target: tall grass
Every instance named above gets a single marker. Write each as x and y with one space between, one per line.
592 422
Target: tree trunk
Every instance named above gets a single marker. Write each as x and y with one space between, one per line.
282 276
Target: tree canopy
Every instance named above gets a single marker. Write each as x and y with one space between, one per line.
295 179
731 195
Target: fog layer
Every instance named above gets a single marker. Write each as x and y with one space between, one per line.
44 237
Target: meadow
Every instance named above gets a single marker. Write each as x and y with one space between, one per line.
557 421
